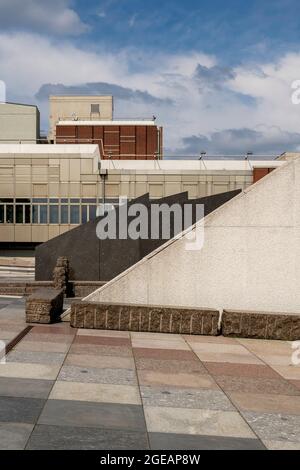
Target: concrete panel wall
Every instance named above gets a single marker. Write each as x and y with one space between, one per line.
250 258
19 123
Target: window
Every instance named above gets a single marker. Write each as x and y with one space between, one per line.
64 214
95 108
43 214
84 214
9 214
53 214
1 214
35 214
92 212
19 214
27 214
74 214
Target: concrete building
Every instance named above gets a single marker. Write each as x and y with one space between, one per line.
19 123
81 108
250 258
46 190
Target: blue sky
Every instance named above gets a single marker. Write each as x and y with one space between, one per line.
217 74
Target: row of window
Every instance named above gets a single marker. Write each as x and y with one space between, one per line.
47 214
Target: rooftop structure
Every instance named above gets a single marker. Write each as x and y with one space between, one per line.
19 123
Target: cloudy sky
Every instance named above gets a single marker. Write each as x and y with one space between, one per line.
216 74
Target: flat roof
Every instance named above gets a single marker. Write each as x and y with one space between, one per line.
107 123
148 165
46 149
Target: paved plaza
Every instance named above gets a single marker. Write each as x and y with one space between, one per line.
63 388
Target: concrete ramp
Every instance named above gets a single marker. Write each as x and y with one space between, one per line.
250 258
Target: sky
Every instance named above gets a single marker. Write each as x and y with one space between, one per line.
217 75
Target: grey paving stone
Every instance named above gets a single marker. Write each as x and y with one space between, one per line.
274 427
14 436
35 357
77 438
97 375
185 398
26 388
97 415
161 441
20 410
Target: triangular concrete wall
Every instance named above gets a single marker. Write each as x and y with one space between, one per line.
250 258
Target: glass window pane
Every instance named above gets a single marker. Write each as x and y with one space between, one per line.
83 214
74 201
19 214
43 214
35 214
53 214
74 214
19 201
41 200
64 201
53 201
88 201
92 212
64 214
27 214
1 214
9 214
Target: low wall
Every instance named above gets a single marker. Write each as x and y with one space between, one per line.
78 288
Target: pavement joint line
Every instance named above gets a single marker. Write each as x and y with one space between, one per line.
54 383
139 387
229 398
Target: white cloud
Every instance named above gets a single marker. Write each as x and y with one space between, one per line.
55 16
253 97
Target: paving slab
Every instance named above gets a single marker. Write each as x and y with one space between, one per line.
185 398
80 438
86 414
14 436
29 371
31 357
275 426
95 392
20 410
162 441
98 375
199 422
98 361
266 403
26 388
157 378
256 385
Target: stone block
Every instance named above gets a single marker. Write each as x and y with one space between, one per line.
147 318
44 306
261 325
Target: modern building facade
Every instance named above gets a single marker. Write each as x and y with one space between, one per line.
46 190
19 123
78 108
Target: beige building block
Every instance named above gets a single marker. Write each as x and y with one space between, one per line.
86 167
7 190
74 170
156 190
54 189
88 190
23 190
7 233
64 170
192 189
64 189
112 189
139 189
40 233
22 233
40 190
74 189
172 188
39 174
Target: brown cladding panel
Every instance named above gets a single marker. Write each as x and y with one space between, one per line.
127 148
259 173
141 141
85 134
66 134
127 131
151 141
111 135
98 133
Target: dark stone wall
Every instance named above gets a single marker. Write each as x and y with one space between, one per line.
91 259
